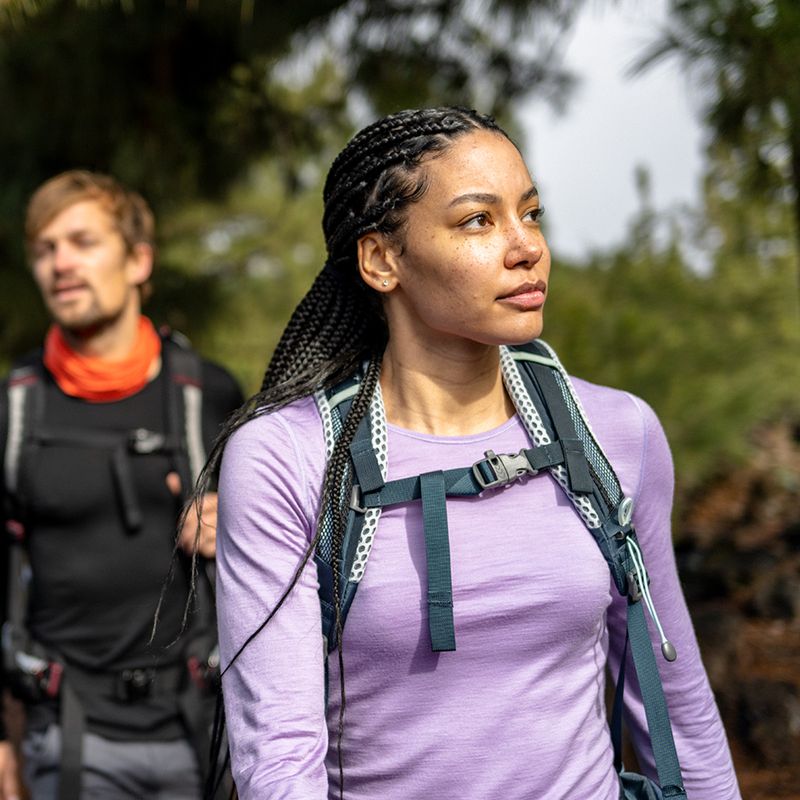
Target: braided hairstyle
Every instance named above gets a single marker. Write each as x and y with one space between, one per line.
339 324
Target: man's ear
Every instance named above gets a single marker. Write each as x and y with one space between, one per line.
377 262
140 264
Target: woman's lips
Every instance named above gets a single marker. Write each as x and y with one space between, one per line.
527 297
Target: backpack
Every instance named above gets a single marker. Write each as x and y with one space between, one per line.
34 673
565 446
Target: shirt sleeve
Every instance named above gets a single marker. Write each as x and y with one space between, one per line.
700 738
273 679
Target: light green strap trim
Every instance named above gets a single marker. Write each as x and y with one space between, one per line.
520 355
345 394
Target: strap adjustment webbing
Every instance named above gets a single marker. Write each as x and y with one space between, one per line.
437 548
490 472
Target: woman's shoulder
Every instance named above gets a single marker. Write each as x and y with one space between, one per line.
290 435
296 420
613 408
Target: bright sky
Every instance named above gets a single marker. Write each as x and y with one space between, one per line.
584 161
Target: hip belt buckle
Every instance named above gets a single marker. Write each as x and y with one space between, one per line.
135 684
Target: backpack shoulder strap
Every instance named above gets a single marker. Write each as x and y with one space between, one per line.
369 457
549 407
184 391
564 443
24 410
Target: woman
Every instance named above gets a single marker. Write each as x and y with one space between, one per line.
435 259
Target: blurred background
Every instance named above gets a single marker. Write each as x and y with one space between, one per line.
665 136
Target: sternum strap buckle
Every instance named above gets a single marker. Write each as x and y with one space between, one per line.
498 470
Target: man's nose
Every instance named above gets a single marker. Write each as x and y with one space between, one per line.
63 257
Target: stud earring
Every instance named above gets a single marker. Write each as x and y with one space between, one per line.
385 282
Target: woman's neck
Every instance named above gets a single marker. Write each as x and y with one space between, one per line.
445 391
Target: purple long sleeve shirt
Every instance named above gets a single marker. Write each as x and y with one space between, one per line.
517 711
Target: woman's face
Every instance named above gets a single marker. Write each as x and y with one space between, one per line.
471 262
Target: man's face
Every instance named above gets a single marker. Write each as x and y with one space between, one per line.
87 276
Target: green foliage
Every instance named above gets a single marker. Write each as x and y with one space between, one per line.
743 55
227 117
185 99
715 353
257 253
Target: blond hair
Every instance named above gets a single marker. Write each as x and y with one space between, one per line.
128 209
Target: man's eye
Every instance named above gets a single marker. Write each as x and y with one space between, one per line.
41 251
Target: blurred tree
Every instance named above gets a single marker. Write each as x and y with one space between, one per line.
714 352
744 55
180 97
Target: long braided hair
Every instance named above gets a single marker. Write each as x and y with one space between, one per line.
339 324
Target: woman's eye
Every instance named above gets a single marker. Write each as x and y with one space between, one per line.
477 221
535 214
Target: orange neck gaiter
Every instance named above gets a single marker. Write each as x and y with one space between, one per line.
97 379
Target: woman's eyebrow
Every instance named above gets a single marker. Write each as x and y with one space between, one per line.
475 197
490 199
530 194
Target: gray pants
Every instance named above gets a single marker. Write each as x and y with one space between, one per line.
114 770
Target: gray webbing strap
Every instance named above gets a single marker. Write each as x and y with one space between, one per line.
73 726
185 407
463 481
655 704
437 547
17 391
193 428
580 479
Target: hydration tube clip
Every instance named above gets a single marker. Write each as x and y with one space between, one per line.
639 589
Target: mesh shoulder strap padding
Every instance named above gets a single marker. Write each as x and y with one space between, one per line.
525 369
370 447
535 418
540 354
184 387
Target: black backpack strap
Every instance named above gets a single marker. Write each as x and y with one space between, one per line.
564 444
25 412
334 405
184 412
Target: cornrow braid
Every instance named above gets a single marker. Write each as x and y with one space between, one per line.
329 332
339 324
375 177
336 490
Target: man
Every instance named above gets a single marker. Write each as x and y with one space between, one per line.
102 434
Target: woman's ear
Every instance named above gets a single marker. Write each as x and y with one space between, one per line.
377 262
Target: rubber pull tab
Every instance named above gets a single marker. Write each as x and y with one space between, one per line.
625 511
668 650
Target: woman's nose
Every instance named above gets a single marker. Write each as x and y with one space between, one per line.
526 246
